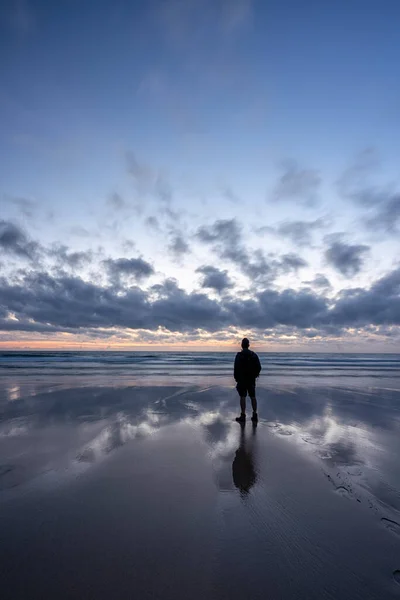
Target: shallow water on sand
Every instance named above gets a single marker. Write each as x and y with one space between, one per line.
156 492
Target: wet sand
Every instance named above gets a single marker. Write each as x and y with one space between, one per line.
156 492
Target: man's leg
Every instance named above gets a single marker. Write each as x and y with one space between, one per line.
242 394
252 394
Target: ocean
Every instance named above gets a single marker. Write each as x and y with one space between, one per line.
190 366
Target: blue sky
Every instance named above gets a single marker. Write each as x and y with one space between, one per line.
246 151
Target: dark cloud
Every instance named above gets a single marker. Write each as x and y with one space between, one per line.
178 246
297 184
386 216
13 240
225 238
70 302
348 259
29 326
259 269
214 278
299 232
270 308
153 223
292 262
66 258
222 231
379 305
137 268
40 300
319 281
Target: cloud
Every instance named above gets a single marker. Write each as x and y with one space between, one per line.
153 223
116 202
39 300
26 206
13 240
299 232
142 174
382 202
292 262
178 246
80 231
270 308
66 258
386 217
151 184
223 230
71 302
225 237
379 305
214 278
297 184
348 259
230 195
354 180
136 268
319 281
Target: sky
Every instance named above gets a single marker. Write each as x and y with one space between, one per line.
181 173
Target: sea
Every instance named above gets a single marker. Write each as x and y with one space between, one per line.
160 368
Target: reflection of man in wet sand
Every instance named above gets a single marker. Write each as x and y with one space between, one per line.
243 471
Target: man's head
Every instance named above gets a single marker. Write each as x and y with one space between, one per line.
245 343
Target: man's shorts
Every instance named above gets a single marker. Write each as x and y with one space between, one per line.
246 387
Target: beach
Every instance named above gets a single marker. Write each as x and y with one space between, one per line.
125 483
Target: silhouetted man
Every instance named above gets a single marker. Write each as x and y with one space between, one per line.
247 369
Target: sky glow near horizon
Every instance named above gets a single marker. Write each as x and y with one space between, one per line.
178 174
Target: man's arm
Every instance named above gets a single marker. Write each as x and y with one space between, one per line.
257 365
236 368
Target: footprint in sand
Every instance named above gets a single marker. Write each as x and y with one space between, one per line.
324 454
396 576
392 526
343 491
310 440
